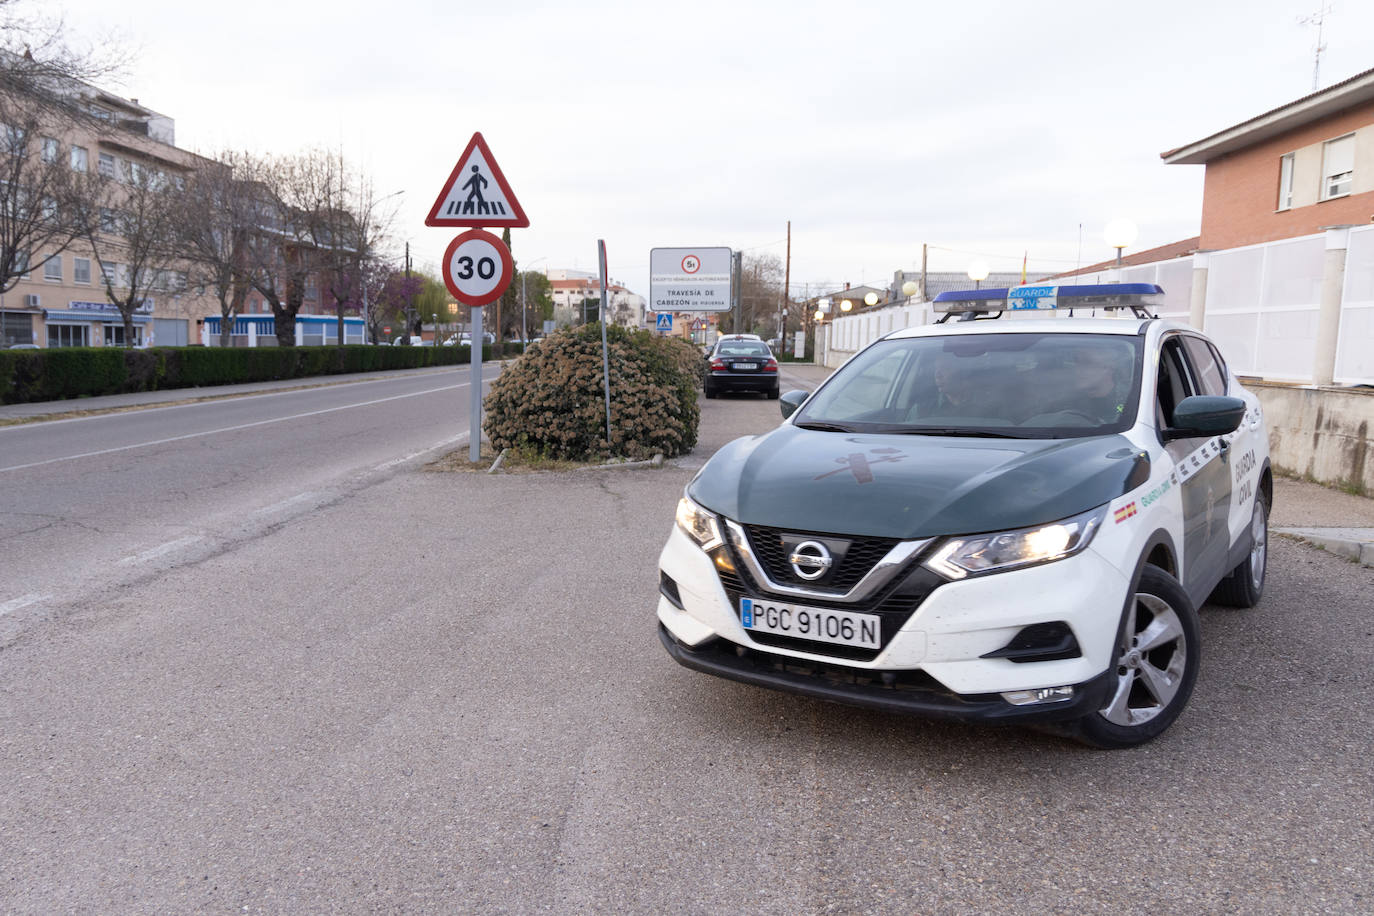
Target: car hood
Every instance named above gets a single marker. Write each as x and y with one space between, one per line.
912 486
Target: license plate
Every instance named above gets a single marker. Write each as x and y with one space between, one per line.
821 624
746 365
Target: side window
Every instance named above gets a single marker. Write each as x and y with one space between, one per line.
1211 378
1173 384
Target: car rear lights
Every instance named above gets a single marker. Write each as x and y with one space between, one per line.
771 365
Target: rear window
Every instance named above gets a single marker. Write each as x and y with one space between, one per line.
742 348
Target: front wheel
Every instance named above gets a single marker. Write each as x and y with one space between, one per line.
1244 585
1155 667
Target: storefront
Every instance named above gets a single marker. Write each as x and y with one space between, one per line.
261 330
95 324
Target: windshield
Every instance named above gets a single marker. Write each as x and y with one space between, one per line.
1019 385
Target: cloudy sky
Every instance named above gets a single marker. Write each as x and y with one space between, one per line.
983 128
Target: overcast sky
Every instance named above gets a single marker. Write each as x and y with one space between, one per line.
985 128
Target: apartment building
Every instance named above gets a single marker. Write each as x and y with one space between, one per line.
62 300
569 289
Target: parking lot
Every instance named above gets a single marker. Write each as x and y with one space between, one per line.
291 725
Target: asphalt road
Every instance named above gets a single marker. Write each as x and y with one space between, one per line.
443 692
108 498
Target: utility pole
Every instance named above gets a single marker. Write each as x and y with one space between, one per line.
737 264
786 283
410 296
923 273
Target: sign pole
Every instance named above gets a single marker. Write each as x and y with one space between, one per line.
475 429
605 353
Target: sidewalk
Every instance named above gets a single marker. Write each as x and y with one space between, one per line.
1330 519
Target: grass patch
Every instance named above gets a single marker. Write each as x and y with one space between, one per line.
517 461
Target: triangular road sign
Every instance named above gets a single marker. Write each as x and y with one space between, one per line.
476 194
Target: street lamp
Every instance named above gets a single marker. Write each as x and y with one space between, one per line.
909 288
1120 233
978 272
845 305
870 298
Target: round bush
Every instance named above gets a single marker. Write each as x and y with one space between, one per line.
552 403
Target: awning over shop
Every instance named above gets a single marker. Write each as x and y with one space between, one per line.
86 316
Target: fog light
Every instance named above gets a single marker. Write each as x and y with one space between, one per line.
1042 695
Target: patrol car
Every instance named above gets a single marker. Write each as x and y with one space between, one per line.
985 519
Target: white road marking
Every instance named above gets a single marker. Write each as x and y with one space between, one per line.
413 455
22 601
290 501
155 552
228 429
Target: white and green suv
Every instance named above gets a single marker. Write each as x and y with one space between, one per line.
1005 520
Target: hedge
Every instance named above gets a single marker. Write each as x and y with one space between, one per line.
74 372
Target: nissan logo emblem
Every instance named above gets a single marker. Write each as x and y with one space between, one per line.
810 560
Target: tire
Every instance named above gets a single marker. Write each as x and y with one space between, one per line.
774 394
1152 686
710 392
1244 585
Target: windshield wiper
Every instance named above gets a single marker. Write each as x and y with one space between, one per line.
824 427
968 431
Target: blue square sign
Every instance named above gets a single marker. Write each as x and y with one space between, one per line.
665 321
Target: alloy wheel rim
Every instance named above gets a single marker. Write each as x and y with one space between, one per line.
1151 663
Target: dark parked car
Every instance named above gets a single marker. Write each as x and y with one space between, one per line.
741 362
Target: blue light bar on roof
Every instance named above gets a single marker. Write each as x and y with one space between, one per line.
1043 298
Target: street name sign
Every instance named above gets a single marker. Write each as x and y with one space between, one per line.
689 279
476 193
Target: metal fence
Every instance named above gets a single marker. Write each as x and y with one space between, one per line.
1261 303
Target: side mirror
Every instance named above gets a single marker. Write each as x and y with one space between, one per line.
791 400
1205 415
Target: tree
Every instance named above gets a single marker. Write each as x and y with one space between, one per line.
134 231
41 97
538 293
396 293
211 228
347 231
283 256
761 278
431 302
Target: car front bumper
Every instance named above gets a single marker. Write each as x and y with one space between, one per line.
936 664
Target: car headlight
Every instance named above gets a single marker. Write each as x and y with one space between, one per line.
1003 550
698 524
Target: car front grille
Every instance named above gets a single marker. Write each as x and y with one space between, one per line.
854 556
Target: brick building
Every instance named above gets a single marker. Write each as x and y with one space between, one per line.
1293 171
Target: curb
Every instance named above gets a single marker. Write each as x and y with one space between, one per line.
1355 544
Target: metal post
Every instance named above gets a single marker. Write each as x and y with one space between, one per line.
605 353
475 433
737 262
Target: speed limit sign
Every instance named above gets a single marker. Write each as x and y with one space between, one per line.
477 267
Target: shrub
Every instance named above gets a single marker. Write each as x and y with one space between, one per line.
552 403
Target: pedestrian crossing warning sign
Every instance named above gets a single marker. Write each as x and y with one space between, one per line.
476 194
665 321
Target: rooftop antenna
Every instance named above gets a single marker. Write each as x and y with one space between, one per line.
1319 20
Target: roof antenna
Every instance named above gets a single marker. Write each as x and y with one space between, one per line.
1319 20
